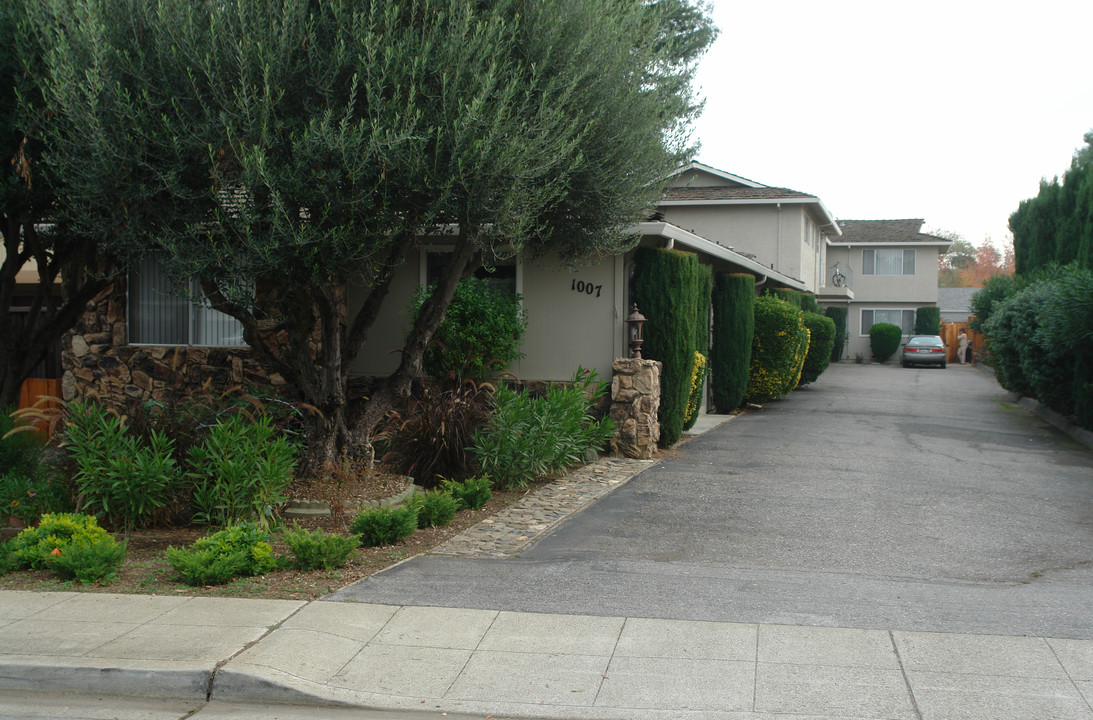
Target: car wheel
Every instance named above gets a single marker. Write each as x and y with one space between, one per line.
906 364
942 366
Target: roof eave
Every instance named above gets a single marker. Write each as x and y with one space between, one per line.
701 244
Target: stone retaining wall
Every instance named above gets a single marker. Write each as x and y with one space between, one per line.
98 362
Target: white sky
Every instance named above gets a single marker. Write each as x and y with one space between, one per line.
949 111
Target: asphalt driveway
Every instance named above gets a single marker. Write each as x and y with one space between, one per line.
915 499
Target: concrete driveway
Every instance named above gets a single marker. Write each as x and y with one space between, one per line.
879 497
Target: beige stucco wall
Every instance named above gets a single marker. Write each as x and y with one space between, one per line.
566 328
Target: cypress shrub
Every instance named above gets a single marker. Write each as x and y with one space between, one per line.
884 340
821 332
809 304
700 368
665 288
733 329
778 350
838 316
704 295
928 321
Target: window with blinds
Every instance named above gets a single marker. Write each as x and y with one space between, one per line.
888 261
904 319
159 316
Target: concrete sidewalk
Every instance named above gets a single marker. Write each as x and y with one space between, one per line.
507 664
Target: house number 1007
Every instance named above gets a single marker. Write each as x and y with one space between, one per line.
587 288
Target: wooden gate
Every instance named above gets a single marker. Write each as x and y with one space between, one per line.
949 332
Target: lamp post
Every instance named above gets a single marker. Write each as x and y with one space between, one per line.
634 322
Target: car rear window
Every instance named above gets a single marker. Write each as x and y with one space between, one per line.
925 341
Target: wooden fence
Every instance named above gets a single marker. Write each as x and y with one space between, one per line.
949 332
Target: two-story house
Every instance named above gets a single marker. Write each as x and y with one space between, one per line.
888 270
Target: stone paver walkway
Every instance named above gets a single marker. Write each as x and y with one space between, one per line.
519 525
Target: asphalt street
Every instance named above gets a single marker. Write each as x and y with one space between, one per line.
878 497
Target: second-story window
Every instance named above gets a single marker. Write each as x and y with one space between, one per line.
888 261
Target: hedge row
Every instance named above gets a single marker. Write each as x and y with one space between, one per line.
1039 337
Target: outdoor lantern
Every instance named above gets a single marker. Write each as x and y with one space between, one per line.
634 321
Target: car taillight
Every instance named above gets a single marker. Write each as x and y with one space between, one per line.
937 350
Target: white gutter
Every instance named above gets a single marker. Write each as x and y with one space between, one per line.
674 235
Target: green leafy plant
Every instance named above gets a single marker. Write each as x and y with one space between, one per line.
884 340
237 550
26 497
21 444
89 563
481 333
118 476
384 526
527 437
318 550
8 561
435 508
471 494
778 351
34 546
430 441
240 471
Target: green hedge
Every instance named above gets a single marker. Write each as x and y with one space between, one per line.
884 339
838 316
778 350
665 287
704 281
733 330
928 320
821 332
792 297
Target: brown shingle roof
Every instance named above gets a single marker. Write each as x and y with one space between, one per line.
885 231
733 193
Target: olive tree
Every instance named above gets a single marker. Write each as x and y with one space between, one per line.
60 265
278 151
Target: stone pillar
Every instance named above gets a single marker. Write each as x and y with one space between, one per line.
635 400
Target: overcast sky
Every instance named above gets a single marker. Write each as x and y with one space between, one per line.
949 111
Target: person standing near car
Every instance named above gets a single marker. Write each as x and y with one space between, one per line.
962 346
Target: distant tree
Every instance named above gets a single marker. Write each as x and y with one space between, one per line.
306 144
1056 226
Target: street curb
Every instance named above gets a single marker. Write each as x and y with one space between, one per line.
46 676
1085 437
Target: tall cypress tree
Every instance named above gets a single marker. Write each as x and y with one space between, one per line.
733 328
665 286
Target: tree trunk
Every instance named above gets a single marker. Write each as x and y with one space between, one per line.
431 314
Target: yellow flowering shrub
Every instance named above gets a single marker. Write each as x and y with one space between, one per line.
698 375
778 350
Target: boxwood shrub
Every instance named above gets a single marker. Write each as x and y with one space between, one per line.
778 351
928 320
884 340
